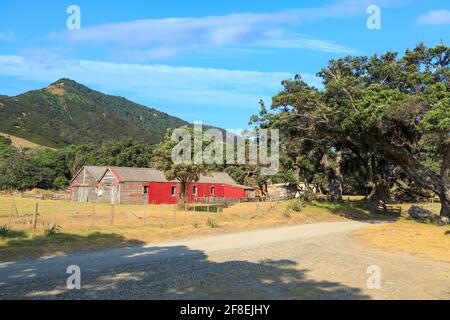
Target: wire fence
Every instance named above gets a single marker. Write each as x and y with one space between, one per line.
32 214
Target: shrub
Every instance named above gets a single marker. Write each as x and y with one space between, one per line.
52 230
212 223
4 231
287 213
60 182
308 196
295 205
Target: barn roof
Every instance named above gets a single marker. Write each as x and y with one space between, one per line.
217 177
96 171
126 174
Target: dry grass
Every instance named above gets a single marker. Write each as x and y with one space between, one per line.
21 143
88 226
410 236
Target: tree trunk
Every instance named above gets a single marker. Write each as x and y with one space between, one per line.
183 191
377 182
423 176
445 183
334 177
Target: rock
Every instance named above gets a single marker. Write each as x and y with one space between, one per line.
419 213
427 216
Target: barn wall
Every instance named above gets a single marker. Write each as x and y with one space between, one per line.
105 187
159 193
84 179
234 192
132 192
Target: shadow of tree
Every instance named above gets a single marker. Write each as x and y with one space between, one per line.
177 272
8 233
354 210
59 243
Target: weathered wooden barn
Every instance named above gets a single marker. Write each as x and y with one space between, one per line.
83 186
147 185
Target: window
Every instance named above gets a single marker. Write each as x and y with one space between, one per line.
173 191
211 191
194 190
145 190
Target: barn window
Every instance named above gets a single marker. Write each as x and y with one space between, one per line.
211 191
194 190
173 191
145 190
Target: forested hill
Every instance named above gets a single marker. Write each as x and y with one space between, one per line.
67 113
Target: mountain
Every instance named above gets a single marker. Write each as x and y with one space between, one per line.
67 112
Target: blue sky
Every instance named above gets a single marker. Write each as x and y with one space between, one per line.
208 61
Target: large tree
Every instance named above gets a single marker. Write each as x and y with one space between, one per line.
186 172
395 107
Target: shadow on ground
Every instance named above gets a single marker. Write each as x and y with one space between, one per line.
177 272
354 210
20 245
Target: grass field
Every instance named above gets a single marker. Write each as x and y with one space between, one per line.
411 237
84 226
87 226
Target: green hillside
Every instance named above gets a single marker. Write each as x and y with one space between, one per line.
67 112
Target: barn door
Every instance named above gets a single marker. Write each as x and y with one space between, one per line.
114 194
83 194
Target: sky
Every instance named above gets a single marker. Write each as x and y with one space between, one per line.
203 61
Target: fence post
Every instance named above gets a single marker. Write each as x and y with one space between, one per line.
10 215
111 222
36 212
174 214
145 213
93 214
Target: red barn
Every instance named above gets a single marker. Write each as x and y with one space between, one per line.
140 185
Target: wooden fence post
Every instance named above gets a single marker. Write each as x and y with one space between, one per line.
111 222
36 212
145 213
174 214
93 214
10 215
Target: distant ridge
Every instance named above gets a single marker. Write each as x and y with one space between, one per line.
67 112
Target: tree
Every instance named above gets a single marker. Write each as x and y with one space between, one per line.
186 172
395 107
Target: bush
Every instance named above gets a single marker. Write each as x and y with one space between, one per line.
4 231
295 205
212 223
52 230
60 182
308 196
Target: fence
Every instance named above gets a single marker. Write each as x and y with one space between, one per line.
36 214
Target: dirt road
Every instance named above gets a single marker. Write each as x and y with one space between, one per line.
316 261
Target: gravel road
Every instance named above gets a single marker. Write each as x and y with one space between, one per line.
316 261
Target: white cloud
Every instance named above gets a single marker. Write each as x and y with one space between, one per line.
181 85
435 17
165 38
298 41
